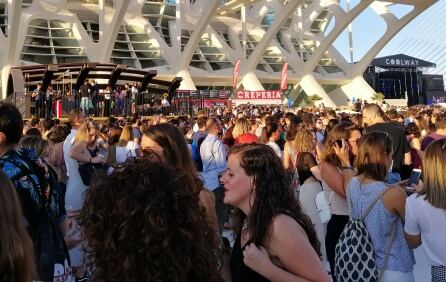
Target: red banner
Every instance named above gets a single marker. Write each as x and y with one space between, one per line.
283 81
259 95
235 76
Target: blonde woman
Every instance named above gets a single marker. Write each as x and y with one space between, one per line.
241 132
74 197
305 149
126 147
309 177
425 217
84 147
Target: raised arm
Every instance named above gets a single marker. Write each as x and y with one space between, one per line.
290 245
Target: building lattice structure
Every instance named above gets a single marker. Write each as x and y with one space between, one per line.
201 40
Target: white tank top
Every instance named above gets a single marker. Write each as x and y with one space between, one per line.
338 205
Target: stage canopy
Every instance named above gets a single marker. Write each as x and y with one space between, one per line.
401 61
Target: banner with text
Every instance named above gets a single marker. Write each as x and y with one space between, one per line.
257 95
283 81
235 75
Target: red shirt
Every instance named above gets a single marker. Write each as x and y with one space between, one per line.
246 138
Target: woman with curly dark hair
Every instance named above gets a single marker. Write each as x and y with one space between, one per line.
275 239
145 228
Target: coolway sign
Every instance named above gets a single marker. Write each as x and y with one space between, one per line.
401 61
257 95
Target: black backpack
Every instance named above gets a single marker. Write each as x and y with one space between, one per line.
355 255
50 250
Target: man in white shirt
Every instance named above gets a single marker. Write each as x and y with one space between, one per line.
273 134
213 155
165 103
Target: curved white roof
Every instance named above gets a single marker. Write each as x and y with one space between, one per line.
201 40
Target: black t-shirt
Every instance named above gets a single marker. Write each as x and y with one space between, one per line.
399 142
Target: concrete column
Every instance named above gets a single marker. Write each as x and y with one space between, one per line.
310 85
109 27
187 83
12 52
393 28
357 88
251 82
192 44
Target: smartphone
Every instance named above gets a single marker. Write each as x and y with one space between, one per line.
338 142
414 176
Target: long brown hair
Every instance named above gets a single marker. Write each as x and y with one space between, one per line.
373 153
303 141
16 249
340 131
175 150
126 136
273 195
434 177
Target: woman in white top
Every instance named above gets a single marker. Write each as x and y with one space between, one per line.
426 210
101 139
273 132
85 137
74 197
126 147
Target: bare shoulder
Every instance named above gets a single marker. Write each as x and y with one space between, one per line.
395 192
285 225
286 235
394 198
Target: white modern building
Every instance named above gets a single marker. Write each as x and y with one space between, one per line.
201 40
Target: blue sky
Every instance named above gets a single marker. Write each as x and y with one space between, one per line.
369 27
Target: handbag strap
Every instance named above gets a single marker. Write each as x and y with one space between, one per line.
392 235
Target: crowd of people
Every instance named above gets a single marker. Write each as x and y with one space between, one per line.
248 194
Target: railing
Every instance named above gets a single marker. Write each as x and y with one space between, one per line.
144 104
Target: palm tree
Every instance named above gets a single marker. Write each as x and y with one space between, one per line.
312 99
378 97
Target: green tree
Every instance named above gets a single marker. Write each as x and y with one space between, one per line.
378 97
312 99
